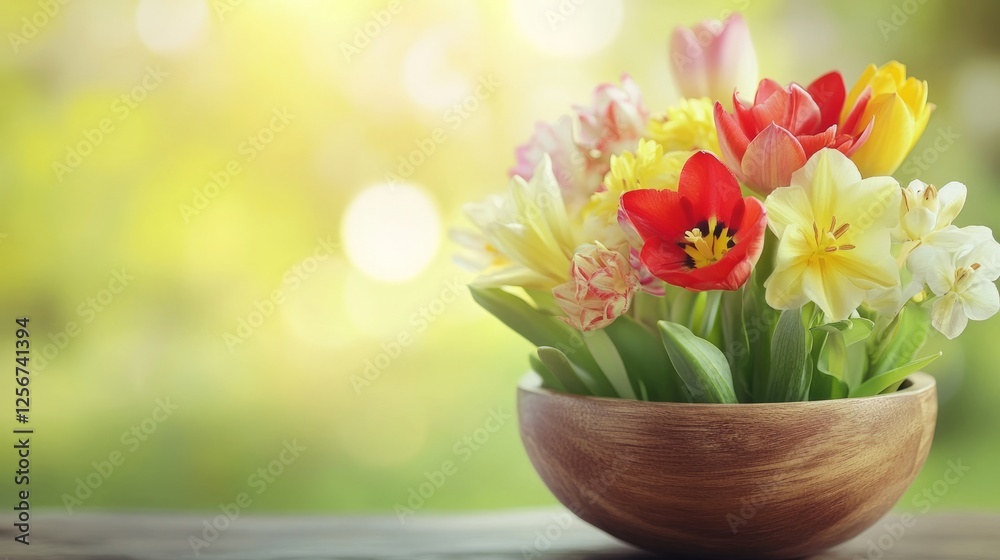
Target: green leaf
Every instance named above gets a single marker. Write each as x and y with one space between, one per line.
791 370
876 385
852 330
563 370
701 366
544 302
541 329
645 359
647 309
901 340
734 342
825 387
549 381
834 360
604 352
759 320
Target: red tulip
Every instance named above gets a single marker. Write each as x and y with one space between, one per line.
704 236
766 141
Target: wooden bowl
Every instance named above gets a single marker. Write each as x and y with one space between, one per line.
770 481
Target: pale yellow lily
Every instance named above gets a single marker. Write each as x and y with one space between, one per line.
833 230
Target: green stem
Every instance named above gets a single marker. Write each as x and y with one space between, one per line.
709 313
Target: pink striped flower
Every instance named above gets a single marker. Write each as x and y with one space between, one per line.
602 283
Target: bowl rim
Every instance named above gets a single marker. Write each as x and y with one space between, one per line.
919 383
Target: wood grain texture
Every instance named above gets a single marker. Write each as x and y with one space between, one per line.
768 481
522 535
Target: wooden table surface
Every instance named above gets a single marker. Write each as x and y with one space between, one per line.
523 535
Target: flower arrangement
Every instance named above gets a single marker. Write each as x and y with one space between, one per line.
749 244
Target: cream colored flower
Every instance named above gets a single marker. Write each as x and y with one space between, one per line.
961 272
924 211
833 230
525 238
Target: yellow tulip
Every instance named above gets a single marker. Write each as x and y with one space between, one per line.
897 109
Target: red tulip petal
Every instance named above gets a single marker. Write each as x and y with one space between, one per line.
851 122
751 226
655 213
772 110
663 257
861 139
732 140
802 115
766 89
669 262
829 93
771 158
815 142
744 117
709 185
728 274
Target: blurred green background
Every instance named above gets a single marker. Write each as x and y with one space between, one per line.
220 150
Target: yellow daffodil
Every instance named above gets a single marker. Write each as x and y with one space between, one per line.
833 231
900 111
687 126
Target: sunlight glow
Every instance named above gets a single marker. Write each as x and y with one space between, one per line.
391 232
167 26
569 28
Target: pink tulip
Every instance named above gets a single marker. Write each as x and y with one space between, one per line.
569 160
613 123
615 120
602 283
712 58
767 140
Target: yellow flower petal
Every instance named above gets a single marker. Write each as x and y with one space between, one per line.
900 111
855 93
833 236
826 173
788 205
783 288
891 136
834 292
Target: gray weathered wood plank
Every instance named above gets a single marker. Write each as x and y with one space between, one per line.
550 534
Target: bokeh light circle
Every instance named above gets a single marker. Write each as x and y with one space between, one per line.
167 26
391 232
430 77
569 28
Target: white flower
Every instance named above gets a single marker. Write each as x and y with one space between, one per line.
961 271
926 210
